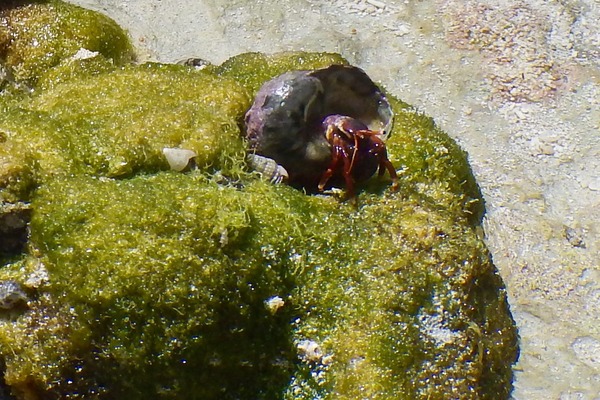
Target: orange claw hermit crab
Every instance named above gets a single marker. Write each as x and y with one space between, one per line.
317 129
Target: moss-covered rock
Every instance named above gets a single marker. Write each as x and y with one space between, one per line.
158 284
213 284
36 37
254 69
116 123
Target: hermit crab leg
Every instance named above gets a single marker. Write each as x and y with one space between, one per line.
379 150
333 139
342 126
338 153
384 163
348 164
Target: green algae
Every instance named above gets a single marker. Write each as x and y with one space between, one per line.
254 69
36 37
121 132
118 132
158 282
181 288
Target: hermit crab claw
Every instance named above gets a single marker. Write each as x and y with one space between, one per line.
319 128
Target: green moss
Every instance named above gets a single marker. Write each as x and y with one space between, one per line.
123 253
116 123
37 37
126 117
395 310
253 69
177 292
16 174
157 281
72 68
433 165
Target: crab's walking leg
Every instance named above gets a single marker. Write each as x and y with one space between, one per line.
339 153
387 164
335 159
384 163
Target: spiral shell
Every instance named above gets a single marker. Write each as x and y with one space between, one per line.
268 168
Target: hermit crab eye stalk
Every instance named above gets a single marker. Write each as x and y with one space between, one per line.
318 128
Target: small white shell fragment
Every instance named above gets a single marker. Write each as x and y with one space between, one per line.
224 238
274 303
178 159
84 54
268 168
38 277
309 350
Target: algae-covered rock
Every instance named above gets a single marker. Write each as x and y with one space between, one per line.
118 122
254 69
158 284
36 37
214 284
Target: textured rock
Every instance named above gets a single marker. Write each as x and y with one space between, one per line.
428 230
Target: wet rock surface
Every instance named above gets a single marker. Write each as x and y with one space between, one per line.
531 143
516 83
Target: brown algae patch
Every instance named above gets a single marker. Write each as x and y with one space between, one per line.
157 281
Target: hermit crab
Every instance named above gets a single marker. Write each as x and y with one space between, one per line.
321 128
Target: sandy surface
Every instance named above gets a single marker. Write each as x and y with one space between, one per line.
517 83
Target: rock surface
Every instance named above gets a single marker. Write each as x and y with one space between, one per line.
515 82
140 282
